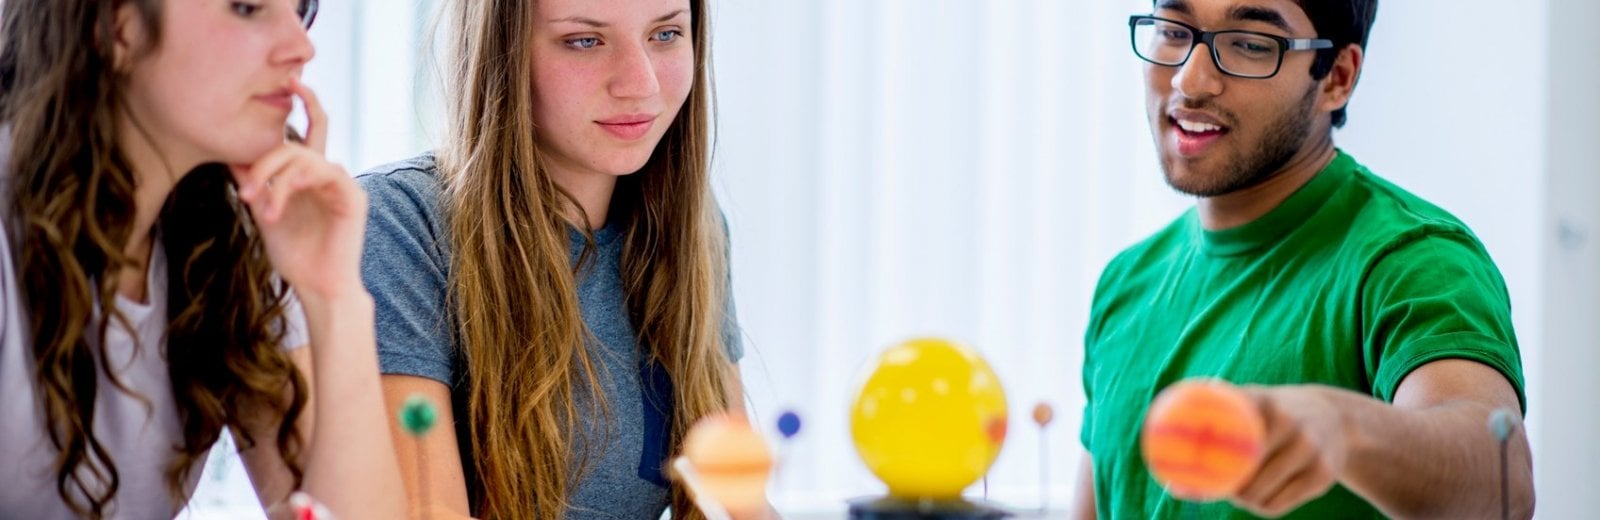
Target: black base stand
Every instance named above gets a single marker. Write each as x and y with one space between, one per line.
883 508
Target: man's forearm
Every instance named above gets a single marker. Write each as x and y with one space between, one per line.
1435 462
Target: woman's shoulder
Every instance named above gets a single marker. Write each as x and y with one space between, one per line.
411 185
421 171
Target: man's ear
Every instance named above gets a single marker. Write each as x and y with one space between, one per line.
1340 84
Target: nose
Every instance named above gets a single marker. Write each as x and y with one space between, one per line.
1199 78
633 73
292 46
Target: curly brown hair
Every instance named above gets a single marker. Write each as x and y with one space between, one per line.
72 207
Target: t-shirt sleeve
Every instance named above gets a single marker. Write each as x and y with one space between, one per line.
732 335
405 271
1433 298
1086 428
1098 307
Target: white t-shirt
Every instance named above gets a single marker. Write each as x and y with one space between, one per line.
141 439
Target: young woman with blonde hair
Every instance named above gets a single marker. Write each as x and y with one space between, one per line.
555 277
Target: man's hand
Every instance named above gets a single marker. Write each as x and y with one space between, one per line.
1306 448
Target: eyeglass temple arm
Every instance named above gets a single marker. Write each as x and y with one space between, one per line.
1303 44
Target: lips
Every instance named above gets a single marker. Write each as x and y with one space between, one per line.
281 99
628 127
1195 131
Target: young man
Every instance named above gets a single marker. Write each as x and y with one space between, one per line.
1370 327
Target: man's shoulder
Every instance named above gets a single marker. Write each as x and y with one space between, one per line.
1178 236
1389 217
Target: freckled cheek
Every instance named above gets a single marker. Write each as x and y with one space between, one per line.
675 74
561 91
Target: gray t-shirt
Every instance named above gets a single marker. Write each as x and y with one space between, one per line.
141 437
406 267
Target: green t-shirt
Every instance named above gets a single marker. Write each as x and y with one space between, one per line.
1351 282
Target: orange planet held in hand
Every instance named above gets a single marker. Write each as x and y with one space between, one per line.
732 460
1202 439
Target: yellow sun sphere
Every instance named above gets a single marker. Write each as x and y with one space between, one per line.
929 419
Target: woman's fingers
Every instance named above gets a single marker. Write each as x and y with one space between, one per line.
317 125
253 179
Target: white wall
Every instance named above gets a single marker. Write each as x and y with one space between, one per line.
370 76
1567 463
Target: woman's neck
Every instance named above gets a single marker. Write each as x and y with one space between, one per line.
155 172
591 190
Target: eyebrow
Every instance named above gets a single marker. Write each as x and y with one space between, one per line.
598 24
1250 13
1244 13
1175 5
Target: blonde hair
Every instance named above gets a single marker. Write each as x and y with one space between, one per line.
513 285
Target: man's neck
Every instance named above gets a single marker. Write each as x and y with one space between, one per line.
1245 206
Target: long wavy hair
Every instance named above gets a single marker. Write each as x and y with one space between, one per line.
514 285
71 197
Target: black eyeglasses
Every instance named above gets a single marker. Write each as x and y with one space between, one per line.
1244 54
307 11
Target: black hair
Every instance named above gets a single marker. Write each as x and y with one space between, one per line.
1346 23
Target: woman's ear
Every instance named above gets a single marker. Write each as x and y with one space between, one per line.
129 36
